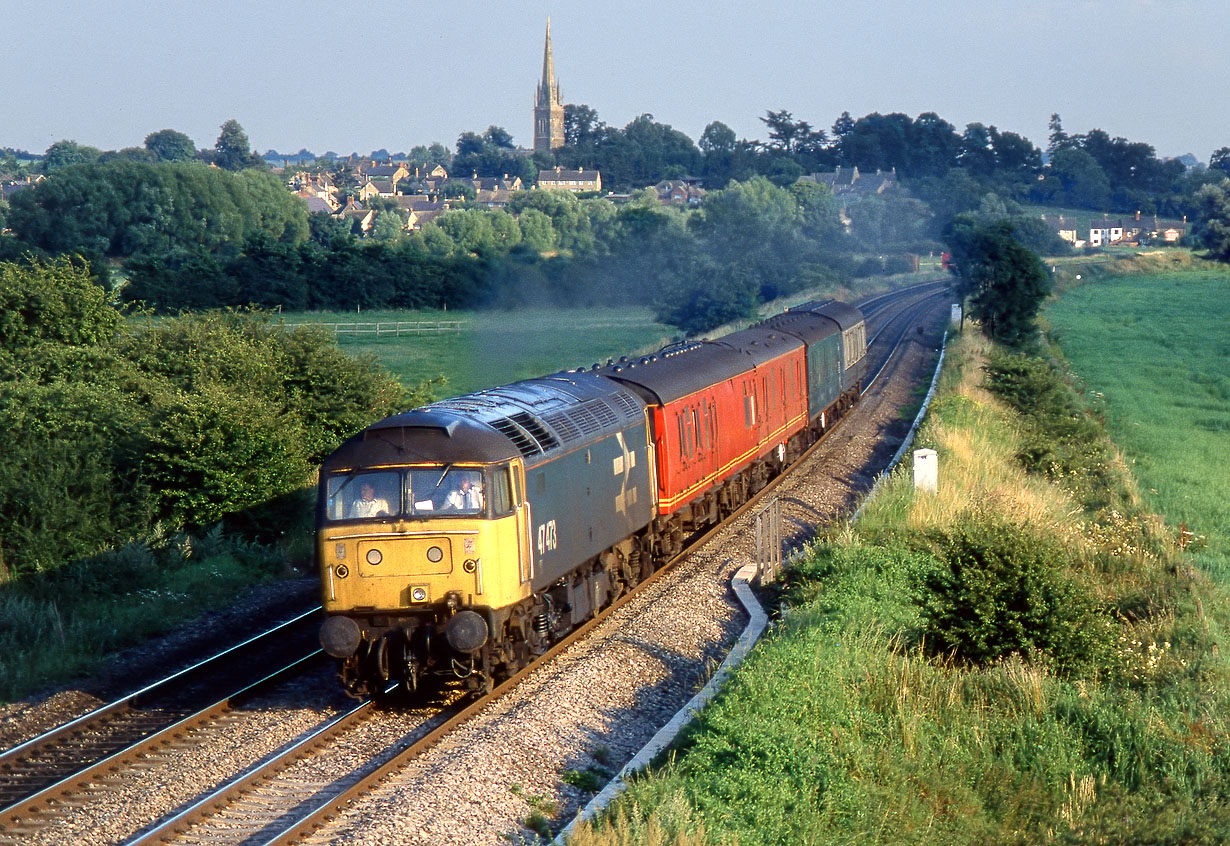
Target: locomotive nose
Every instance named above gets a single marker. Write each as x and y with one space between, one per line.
466 631
340 637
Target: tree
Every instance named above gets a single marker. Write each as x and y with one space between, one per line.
65 153
1058 139
581 124
498 136
1220 160
935 146
977 155
1017 160
796 140
639 154
1076 178
489 154
122 208
843 128
53 302
877 142
717 138
1004 281
536 230
232 151
388 226
1213 203
725 156
167 145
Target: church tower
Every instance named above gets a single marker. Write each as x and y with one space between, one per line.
548 110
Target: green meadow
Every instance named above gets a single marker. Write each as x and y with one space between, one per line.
1154 352
498 347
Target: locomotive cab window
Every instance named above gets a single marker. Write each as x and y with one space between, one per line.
410 493
363 496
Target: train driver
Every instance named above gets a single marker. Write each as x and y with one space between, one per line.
466 497
368 504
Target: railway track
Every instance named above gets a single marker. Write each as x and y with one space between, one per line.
287 795
47 773
265 795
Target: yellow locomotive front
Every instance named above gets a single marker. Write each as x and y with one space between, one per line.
416 557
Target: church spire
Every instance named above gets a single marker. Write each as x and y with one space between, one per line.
548 65
548 109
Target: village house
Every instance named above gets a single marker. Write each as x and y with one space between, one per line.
394 172
1153 228
1105 232
494 192
376 188
679 192
848 180
359 216
578 181
10 185
1065 228
420 209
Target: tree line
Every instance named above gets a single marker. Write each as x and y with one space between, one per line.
119 429
186 235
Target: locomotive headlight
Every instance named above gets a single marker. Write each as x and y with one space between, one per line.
470 565
434 554
418 594
342 571
374 557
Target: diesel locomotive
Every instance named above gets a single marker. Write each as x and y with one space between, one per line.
464 537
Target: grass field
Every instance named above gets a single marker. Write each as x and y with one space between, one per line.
1156 350
849 724
498 347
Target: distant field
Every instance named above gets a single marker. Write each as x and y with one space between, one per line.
498 347
1158 348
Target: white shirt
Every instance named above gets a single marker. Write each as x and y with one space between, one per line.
470 500
369 507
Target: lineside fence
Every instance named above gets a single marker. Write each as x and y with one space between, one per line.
768 531
391 328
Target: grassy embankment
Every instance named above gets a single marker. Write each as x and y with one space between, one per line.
1023 657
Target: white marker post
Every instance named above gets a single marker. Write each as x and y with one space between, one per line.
926 470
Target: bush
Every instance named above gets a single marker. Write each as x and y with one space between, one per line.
114 427
1002 590
1061 440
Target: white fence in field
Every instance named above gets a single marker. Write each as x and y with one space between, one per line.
391 328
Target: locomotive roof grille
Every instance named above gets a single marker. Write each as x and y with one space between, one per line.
520 438
588 419
626 401
537 431
527 434
560 423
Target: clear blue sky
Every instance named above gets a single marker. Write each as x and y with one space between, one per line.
358 76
